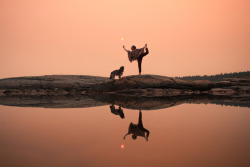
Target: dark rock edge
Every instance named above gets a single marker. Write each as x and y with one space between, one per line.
144 85
135 92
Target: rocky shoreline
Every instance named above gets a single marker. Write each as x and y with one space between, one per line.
147 92
144 85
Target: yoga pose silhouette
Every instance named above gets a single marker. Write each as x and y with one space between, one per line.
137 54
137 129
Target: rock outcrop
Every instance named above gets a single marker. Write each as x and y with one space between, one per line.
135 92
144 85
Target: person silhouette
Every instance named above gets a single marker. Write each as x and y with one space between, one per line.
137 54
137 129
118 111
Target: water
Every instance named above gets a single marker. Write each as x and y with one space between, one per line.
183 135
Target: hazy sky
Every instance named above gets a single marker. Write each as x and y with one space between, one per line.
78 37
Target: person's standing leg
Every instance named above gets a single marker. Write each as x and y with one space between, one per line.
139 64
140 120
140 125
140 60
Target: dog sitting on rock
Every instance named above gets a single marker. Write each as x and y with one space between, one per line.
117 73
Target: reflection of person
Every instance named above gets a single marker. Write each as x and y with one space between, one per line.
118 111
137 54
137 130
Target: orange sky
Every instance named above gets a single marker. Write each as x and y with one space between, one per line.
185 37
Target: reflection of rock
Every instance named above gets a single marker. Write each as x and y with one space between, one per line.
51 101
144 85
220 91
153 103
131 102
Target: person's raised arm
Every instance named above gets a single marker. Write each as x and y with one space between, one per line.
125 136
125 49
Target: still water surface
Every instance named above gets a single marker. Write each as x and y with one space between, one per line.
185 135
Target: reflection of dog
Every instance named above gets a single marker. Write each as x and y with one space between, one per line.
117 73
117 111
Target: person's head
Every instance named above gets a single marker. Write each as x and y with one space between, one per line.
134 136
133 47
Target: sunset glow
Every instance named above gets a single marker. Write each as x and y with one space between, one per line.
84 37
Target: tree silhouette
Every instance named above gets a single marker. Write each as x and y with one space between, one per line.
217 77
